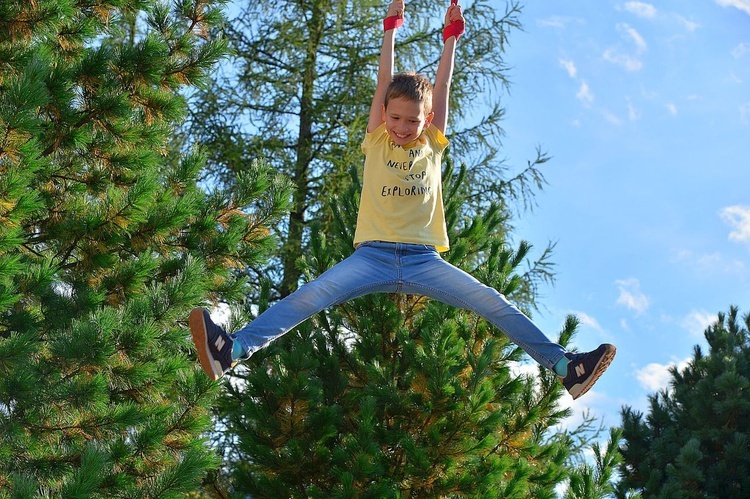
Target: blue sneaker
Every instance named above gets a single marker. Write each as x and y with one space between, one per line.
214 345
585 368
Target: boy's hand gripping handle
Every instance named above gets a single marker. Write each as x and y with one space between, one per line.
397 18
455 28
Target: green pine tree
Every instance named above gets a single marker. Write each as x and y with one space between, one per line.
593 480
693 442
106 242
372 397
397 396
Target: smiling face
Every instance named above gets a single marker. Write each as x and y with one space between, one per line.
405 119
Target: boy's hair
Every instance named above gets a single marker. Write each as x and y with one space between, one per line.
412 86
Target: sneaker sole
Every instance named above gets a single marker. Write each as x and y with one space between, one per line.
601 366
200 338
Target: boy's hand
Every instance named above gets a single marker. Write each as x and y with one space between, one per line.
454 13
396 8
454 22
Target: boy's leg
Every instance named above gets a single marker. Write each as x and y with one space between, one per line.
367 270
427 273
430 275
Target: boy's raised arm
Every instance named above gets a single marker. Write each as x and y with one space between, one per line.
454 28
393 19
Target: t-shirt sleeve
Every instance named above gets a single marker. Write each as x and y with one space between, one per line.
373 138
438 140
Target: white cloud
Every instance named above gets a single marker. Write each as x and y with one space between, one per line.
738 217
697 321
586 320
593 329
688 24
705 261
633 113
626 61
612 118
557 21
672 108
631 295
743 5
741 50
708 263
655 376
570 67
632 34
641 9
647 11
585 94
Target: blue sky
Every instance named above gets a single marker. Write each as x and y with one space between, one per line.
645 110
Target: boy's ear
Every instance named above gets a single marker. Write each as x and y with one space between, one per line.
428 120
382 112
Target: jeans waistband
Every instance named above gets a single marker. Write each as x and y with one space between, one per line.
391 244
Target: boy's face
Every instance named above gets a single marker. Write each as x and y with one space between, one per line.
405 120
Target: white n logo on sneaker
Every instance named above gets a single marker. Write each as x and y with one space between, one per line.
580 369
219 343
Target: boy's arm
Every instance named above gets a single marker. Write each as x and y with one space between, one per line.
441 92
385 68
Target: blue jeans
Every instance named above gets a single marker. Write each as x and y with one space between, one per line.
399 268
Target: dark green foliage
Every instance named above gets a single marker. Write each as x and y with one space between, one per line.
694 440
106 242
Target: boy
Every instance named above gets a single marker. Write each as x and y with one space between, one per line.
400 230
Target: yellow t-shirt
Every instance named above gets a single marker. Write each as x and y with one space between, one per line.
402 195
